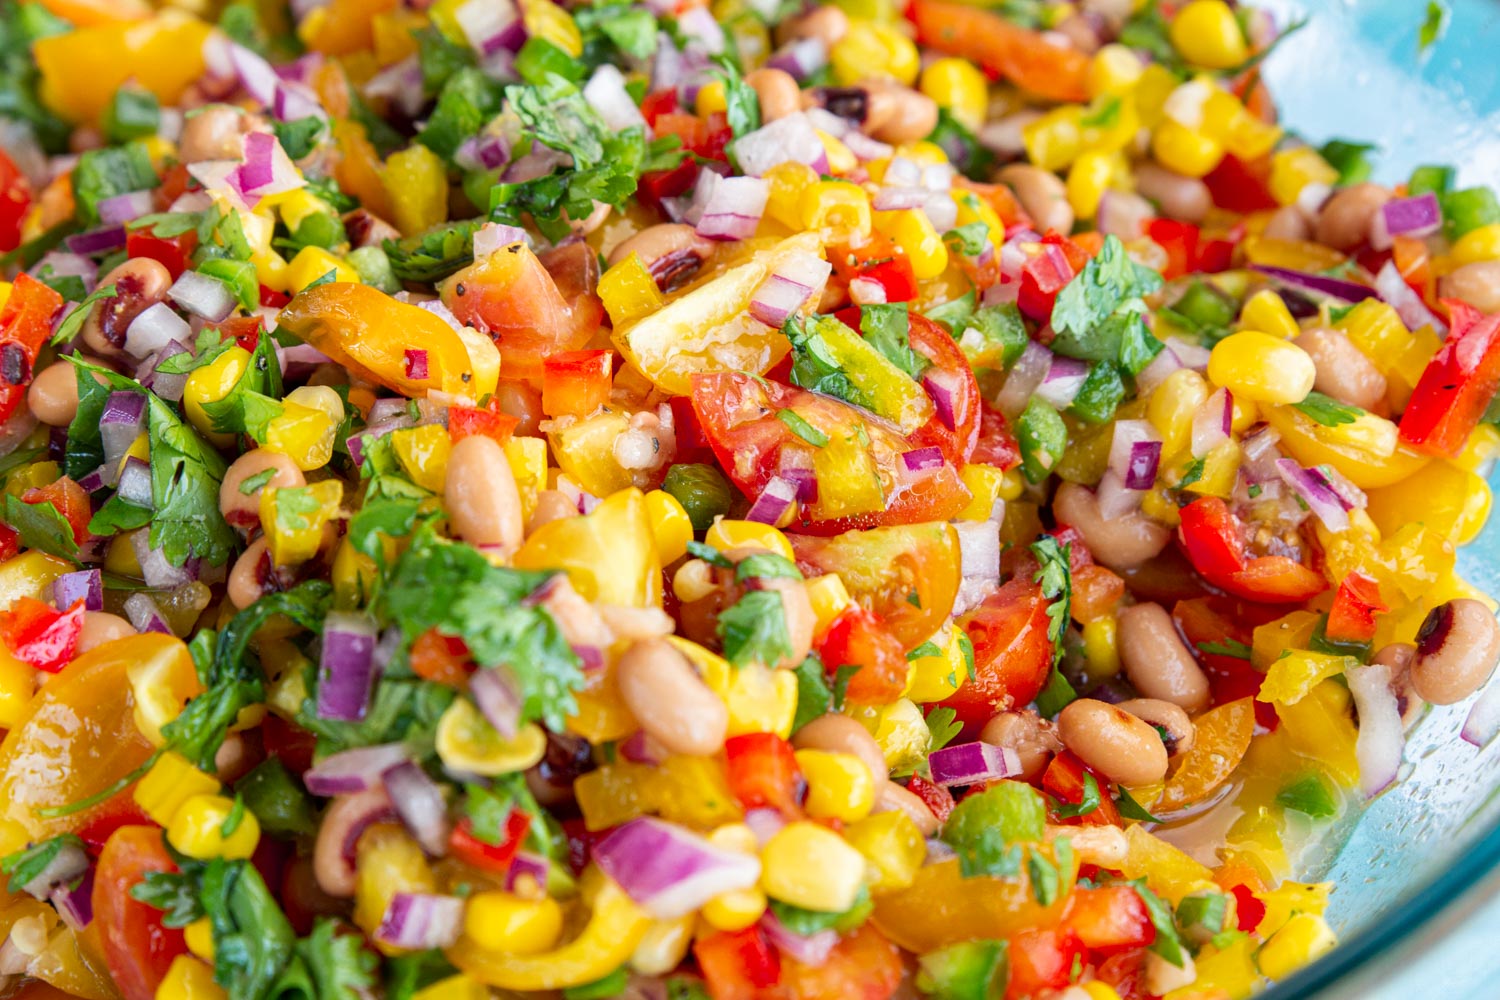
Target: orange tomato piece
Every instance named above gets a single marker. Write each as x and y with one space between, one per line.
1017 54
1223 736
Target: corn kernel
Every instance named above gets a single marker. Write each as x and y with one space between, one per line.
1261 367
923 153
837 208
1180 149
628 290
914 233
736 909
1294 169
1476 245
893 846
693 581
200 938
1054 140
1088 179
189 978
312 263
670 526
810 866
664 947
465 741
870 49
160 686
727 535
1172 405
1206 33
210 384
829 597
760 700
1302 939
985 483
423 453
506 923
711 99
839 785
1099 648
171 782
959 86
416 179
1267 312
196 829
1115 69
556 25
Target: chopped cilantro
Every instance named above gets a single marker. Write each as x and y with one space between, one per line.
841 680
1328 411
809 922
814 696
104 173
1054 573
1192 474
435 254
1228 647
754 629
942 726
928 648
1089 802
41 528
709 554
1167 944
766 566
1109 283
887 328
969 239
26 864
255 482
800 427
1131 809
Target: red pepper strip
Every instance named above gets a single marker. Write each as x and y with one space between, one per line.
1457 385
1352 617
42 636
1210 537
25 324
485 856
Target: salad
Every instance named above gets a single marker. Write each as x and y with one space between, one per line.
642 499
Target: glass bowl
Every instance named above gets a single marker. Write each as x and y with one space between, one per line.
1417 903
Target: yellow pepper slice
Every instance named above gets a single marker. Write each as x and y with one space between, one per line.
163 55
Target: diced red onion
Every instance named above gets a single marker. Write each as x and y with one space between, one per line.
1337 288
1415 217
421 920
346 668
791 139
97 241
1194 356
122 208
865 291
895 199
942 388
1381 739
778 495
1154 374
135 483
156 570
255 74
978 549
1259 454
493 237
85 584
416 363
122 421
641 748
1312 486
765 823
806 481
67 864
75 903
498 700
295 101
401 83
1025 377
972 763
808 949
1013 255
1134 453
491 25
526 865
1212 421
801 58
779 296
419 803
865 148
702 30
733 207
353 770
941 210
62 265
1407 303
266 170
669 871
203 296
1064 378
155 328
922 459
605 92
1483 721
145 614
1114 498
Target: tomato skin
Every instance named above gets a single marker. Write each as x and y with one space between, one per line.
15 199
137 948
487 421
25 324
878 260
996 446
69 500
950 370
858 636
1110 918
1211 538
1242 187
937 798
173 253
1064 779
443 659
862 966
739 966
1221 620
1012 654
289 743
576 383
41 636
763 773
1179 240
1042 960
494 858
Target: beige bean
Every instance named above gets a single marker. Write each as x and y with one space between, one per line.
891 797
551 505
828 24
519 400
670 700
1344 221
1041 194
778 91
1177 725
1457 647
242 509
247 577
213 133
480 493
1398 656
1081 32
1157 661
100 627
897 114
1478 284
1032 738
1287 223
672 251
140 282
338 835
1113 742
53 394
1119 543
840 734
1343 371
235 757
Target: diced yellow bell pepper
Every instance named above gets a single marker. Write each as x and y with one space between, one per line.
189 978
416 181
839 785
609 554
29 574
314 263
162 680
423 453
171 781
1294 169
585 451
164 55
629 291
810 866
893 846
293 519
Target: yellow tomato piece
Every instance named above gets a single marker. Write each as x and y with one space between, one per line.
609 554
1313 444
164 55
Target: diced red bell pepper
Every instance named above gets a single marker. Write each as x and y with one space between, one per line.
858 636
763 773
1179 240
658 103
1043 960
1110 918
1065 780
1249 911
174 253
1352 617
1042 277
1242 187
442 659
1457 385
245 331
487 857
658 185
576 383
10 542
270 298
15 200
69 500
1221 622
487 421
692 443
25 325
878 260
938 798
1210 534
738 965
288 743
41 635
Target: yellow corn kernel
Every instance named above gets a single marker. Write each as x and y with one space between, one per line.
554 24
17 685
693 581
841 159
465 741
959 86
711 99
736 909
1206 33
1261 367
787 182
1088 179
210 384
1294 169
1475 246
726 535
628 290
1265 311
1115 69
423 453
171 782
5 288
1151 92
839 785
1100 649
871 49
1012 485
189 978
914 233
312 263
1054 140
1302 939
508 924
933 678
760 700
416 179
270 270
664 946
459 987
837 208
892 845
293 519
670 526
196 829
303 434
829 597
985 483
810 866
923 153
1171 406
1180 149
200 938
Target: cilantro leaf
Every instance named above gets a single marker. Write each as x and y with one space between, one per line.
1055 575
26 864
253 941
434 255
1168 943
1090 802
41 528
754 630
709 554
73 321
800 427
809 922
1192 474
814 696
1328 411
742 104
841 680
886 326
1107 282
969 239
468 100
1131 809
1229 647
766 566
342 968
942 726
1056 696
104 173
174 893
928 648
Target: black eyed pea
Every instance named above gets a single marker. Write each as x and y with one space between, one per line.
1180 197
670 700
53 394
1041 194
140 283
480 493
519 400
213 133
241 508
1175 726
1478 284
1398 656
1033 739
1457 647
891 797
551 505
1343 371
345 820
1345 219
840 734
247 577
672 251
1157 661
1287 223
897 114
1119 745
1119 543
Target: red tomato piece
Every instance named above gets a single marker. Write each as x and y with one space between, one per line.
1065 778
10 542
1042 960
738 966
488 421
862 966
69 500
174 253
1180 241
1110 918
25 324
955 393
1457 385
288 742
938 798
40 635
1211 536
1042 277
576 383
859 637
137 948
1240 186
15 199
443 659
1352 617
879 260
487 857
997 446
763 773
1012 654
